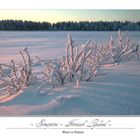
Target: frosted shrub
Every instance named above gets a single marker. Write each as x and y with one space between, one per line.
77 59
11 77
78 64
54 70
16 76
81 62
114 52
125 49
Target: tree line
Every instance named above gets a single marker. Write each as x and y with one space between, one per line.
19 25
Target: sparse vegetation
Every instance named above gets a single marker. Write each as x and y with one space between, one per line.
17 75
81 62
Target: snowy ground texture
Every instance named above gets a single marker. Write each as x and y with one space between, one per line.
115 93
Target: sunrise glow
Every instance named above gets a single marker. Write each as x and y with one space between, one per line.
70 15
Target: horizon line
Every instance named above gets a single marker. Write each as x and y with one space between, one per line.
24 20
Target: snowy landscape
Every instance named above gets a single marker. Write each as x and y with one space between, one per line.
69 73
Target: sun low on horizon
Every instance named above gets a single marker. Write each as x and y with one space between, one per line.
54 16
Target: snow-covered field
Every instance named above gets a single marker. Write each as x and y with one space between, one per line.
115 93
48 44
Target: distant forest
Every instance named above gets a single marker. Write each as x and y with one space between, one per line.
19 25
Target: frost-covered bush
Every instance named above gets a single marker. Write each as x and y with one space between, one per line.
125 49
54 70
26 67
76 59
60 70
121 50
80 63
17 75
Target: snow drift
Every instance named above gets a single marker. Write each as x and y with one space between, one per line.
91 79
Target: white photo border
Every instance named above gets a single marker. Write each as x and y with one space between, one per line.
122 127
